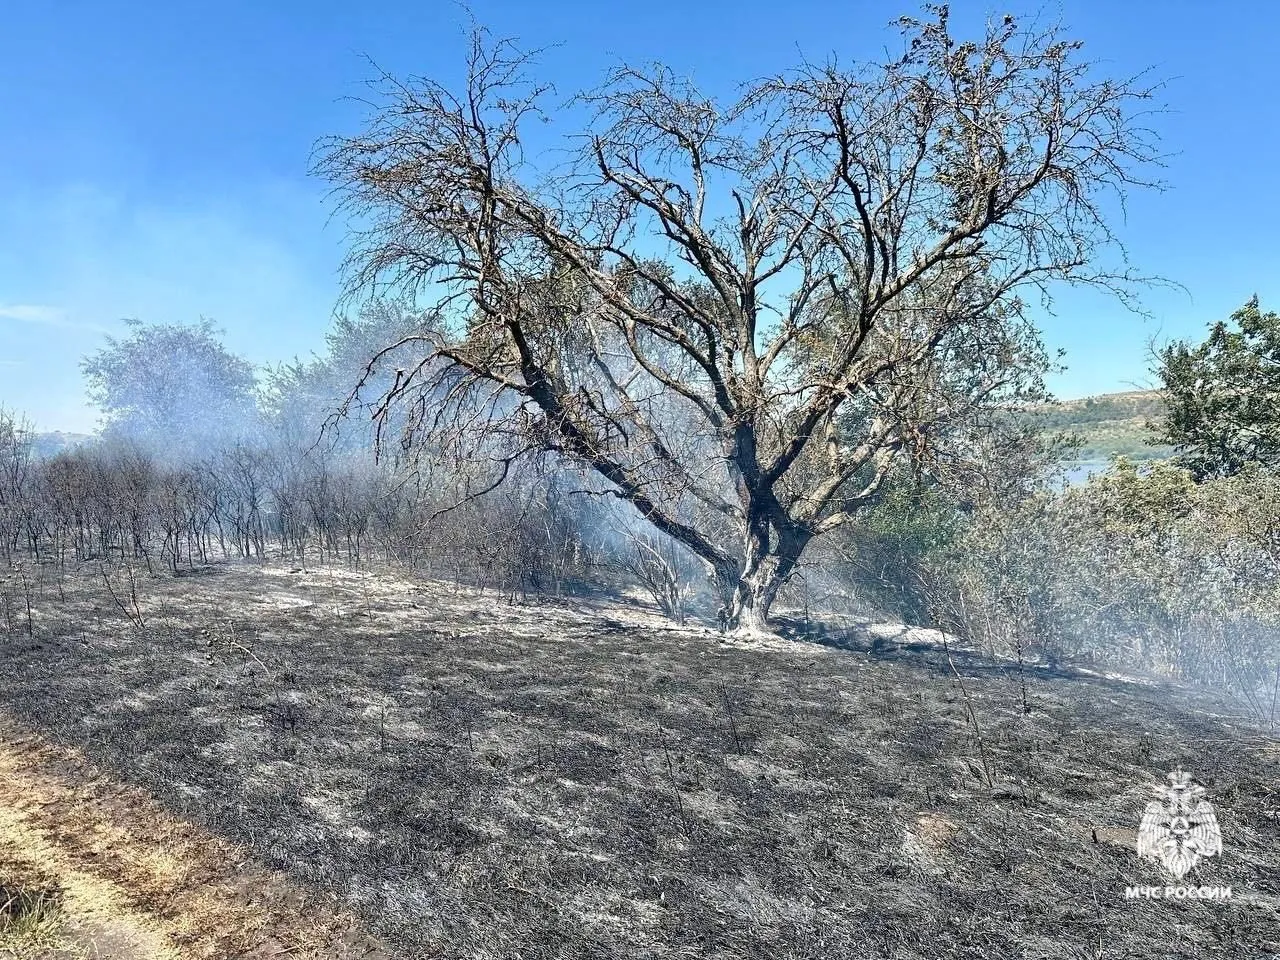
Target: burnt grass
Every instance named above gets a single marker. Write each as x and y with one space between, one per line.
578 779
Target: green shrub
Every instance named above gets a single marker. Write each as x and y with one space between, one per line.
1139 567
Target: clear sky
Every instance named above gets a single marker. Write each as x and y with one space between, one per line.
155 155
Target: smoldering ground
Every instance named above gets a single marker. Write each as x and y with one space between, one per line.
482 779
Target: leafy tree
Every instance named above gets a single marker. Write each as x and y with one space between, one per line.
1223 395
743 317
304 399
173 388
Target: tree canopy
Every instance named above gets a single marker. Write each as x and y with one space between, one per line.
172 387
309 400
1223 395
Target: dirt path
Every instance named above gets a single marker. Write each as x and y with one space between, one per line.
133 882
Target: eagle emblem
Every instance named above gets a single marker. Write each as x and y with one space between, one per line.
1181 831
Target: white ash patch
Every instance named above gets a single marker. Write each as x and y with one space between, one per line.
777 776
915 853
712 807
286 601
1134 679
335 810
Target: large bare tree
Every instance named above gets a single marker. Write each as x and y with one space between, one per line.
740 317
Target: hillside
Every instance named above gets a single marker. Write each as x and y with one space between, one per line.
54 442
476 779
1108 424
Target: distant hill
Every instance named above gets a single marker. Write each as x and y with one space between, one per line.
54 442
1110 424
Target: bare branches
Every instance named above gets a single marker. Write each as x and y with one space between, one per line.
760 308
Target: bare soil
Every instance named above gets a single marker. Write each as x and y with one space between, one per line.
476 779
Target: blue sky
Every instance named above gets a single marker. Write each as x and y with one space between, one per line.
155 155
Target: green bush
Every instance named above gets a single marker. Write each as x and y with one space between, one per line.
1139 567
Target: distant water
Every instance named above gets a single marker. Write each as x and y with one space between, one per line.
1080 472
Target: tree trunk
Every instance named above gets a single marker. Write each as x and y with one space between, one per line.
749 589
753 601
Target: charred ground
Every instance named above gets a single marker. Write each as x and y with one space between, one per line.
481 779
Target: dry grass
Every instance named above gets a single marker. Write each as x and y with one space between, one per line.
62 912
102 871
32 924
482 780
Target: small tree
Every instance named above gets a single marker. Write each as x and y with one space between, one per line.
1223 396
16 457
742 317
659 564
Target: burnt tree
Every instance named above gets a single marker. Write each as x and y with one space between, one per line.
741 317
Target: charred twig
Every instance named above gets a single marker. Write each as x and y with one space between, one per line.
675 786
230 640
132 610
971 713
733 722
